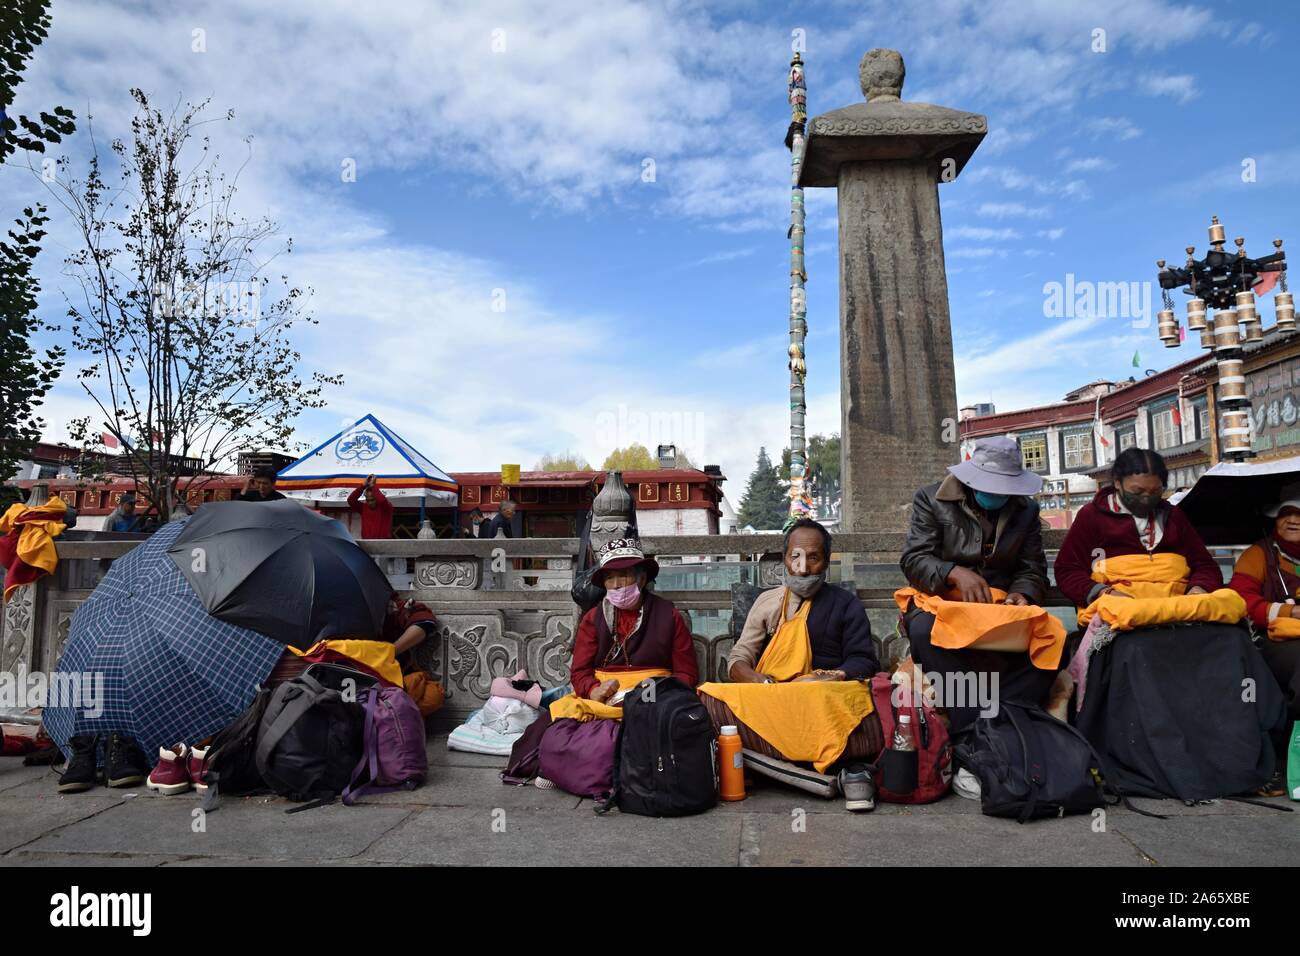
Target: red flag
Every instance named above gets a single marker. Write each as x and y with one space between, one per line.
1178 414
1265 282
108 440
155 438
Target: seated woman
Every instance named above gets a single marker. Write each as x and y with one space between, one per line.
975 539
631 629
1171 693
1267 576
812 642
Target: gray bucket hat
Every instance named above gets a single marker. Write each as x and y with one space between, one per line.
996 468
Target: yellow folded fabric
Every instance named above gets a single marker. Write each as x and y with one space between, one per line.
804 720
1224 606
584 708
1283 629
993 627
36 534
377 655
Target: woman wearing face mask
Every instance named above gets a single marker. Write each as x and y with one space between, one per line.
1160 669
632 629
1267 576
1130 517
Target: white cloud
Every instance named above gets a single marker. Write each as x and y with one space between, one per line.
1181 87
980 233
1112 127
1009 210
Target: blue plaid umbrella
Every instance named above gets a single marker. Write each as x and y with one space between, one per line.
170 671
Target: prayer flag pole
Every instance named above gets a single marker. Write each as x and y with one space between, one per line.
800 500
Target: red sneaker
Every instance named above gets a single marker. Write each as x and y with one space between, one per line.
172 775
199 768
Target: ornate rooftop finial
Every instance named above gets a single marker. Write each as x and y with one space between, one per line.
881 74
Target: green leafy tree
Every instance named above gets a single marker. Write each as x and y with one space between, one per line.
27 376
823 474
568 461
764 505
634 457
184 330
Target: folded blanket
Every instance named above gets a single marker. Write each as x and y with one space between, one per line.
583 708
991 627
1224 606
473 737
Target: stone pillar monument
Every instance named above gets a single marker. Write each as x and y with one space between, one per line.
898 399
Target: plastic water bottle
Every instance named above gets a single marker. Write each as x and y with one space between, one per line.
904 739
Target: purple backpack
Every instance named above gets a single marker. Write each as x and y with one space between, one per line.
578 756
393 744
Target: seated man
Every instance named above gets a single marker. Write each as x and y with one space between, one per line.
812 642
976 531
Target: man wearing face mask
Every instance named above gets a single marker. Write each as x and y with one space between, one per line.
809 642
632 629
976 531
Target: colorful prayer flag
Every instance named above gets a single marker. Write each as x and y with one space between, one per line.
1137 362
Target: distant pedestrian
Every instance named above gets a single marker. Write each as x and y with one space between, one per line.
260 486
123 517
376 513
471 530
500 525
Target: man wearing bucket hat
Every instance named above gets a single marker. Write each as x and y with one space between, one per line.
631 628
976 531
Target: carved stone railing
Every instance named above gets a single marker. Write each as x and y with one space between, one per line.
495 618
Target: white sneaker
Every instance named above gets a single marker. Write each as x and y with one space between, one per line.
966 784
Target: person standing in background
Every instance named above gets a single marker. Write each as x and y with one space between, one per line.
376 513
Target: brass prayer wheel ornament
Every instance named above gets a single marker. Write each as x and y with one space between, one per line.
1227 283
1227 333
1284 309
1168 328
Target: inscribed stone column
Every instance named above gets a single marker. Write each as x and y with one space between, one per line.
897 390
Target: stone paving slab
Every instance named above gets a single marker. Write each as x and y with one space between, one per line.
248 828
477 836
24 819
457 818
912 840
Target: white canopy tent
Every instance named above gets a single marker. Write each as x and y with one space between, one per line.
332 470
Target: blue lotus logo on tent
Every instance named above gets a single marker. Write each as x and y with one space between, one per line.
359 446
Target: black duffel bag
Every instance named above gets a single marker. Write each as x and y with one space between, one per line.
1031 765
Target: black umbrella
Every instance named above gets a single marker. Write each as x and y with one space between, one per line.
1226 505
283 570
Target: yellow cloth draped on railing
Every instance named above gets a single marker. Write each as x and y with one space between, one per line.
804 720
1157 589
36 529
991 627
584 708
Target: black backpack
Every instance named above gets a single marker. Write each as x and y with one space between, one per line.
311 735
1031 765
232 754
666 761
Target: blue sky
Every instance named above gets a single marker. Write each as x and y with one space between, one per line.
658 311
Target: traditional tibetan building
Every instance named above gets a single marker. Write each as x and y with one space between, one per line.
679 501
1073 443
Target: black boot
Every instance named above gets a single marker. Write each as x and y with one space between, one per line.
124 764
80 773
